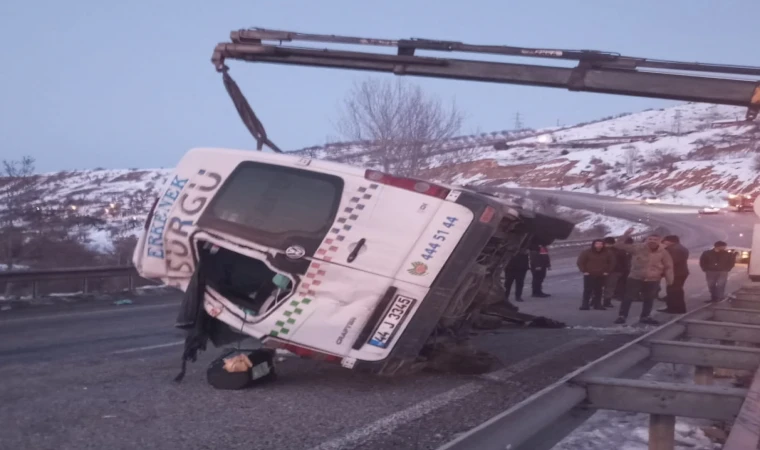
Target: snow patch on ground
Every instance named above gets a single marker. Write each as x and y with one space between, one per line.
100 241
461 180
607 430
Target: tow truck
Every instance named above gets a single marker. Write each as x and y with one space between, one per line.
596 72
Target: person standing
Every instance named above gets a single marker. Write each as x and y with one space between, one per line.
539 264
595 264
716 263
620 288
514 274
675 298
613 278
650 262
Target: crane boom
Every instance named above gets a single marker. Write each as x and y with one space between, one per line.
596 71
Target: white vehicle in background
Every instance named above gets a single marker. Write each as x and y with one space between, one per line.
327 260
709 210
651 201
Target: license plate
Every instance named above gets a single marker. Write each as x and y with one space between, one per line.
395 316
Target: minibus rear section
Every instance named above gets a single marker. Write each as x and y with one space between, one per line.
488 214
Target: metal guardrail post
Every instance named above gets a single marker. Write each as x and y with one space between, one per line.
131 282
35 289
662 432
703 375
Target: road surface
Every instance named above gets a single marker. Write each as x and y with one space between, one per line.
99 376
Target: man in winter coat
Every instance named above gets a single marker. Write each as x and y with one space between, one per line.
595 263
515 273
716 263
650 262
621 265
539 264
675 298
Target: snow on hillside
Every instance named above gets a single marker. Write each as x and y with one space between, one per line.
117 201
633 156
690 154
588 224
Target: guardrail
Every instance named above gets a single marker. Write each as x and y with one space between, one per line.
587 242
610 383
82 273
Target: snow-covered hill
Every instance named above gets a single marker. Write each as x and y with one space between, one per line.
690 154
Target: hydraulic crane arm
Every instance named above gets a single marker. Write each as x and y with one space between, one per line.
600 72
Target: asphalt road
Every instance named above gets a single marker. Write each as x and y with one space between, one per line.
99 376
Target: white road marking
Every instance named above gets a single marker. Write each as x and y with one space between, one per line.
89 313
389 423
149 347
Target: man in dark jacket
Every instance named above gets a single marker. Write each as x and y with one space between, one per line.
675 298
621 266
515 273
620 288
539 264
595 263
716 263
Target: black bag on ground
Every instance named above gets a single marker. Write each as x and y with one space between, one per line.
262 370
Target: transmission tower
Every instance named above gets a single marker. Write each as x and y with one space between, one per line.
518 122
677 123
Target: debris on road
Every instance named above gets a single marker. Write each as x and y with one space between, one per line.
123 302
238 369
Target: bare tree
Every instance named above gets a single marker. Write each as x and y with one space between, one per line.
616 185
400 124
15 205
662 159
631 155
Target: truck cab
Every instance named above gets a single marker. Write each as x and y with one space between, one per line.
741 202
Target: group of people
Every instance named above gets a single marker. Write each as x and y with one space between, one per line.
640 269
628 271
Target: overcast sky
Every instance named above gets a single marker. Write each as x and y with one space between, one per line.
87 83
